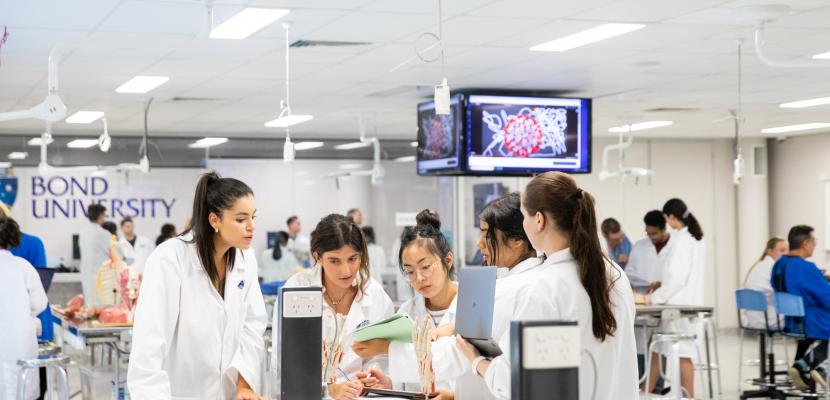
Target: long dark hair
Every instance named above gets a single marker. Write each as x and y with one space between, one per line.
335 231
427 232
10 234
504 215
282 240
167 231
214 194
556 196
678 209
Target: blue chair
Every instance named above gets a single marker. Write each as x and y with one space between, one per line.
753 301
791 307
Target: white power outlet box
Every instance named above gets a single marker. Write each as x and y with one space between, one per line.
300 304
550 347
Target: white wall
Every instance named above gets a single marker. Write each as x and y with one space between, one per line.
797 168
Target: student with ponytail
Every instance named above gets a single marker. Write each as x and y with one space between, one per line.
682 283
198 326
576 283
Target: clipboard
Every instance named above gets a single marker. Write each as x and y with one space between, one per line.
370 393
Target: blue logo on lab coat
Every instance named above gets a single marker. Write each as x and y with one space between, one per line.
241 284
8 190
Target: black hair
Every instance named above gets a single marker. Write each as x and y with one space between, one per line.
110 227
282 240
291 219
798 235
656 219
428 234
10 234
167 231
504 215
557 197
95 211
125 220
609 226
678 209
335 231
214 195
369 234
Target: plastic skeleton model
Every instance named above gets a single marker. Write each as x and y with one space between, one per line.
438 135
130 283
332 344
422 339
527 133
107 281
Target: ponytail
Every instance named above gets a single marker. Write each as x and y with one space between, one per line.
677 208
556 195
282 240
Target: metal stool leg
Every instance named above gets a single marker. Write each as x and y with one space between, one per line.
741 360
64 383
21 383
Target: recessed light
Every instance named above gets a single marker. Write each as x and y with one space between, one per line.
289 120
18 155
349 166
583 38
640 126
82 143
5 164
84 117
806 103
796 128
207 142
405 159
142 84
822 56
413 144
37 141
307 145
353 145
247 22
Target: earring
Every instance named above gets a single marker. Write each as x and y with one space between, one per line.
216 230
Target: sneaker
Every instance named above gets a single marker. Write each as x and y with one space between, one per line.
818 377
799 378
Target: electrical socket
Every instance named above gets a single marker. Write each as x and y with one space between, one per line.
551 347
301 304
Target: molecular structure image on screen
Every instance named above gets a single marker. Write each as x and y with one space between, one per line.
526 133
438 135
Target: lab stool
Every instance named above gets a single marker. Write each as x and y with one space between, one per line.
673 340
52 363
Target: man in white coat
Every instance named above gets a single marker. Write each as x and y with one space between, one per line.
94 242
134 248
298 243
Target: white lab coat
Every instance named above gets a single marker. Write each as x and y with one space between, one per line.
272 270
377 261
188 341
300 246
645 264
403 363
22 298
373 306
136 255
94 242
554 292
682 284
759 279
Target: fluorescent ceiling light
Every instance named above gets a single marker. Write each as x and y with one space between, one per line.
640 126
795 128
247 22
583 38
207 142
413 144
349 166
142 84
307 145
5 164
405 159
84 117
288 120
806 103
822 56
82 143
36 141
353 145
18 155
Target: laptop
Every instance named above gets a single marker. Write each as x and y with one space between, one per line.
474 312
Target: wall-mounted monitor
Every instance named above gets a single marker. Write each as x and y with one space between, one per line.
517 135
440 139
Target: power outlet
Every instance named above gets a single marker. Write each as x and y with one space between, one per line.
301 304
551 347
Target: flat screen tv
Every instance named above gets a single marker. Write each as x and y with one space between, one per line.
440 139
517 135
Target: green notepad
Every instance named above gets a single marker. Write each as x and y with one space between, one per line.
397 328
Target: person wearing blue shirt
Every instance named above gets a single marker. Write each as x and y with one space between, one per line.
793 274
618 246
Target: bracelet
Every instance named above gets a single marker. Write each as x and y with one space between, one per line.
476 361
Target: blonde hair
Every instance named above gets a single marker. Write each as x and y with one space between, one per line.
5 211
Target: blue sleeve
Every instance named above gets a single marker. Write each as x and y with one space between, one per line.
38 253
626 245
817 287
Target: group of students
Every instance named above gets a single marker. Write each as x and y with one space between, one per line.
199 321
783 267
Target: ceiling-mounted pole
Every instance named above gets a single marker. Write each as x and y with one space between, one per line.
288 149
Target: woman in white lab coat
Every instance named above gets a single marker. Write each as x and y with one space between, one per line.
198 326
682 284
758 278
22 298
342 270
576 283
